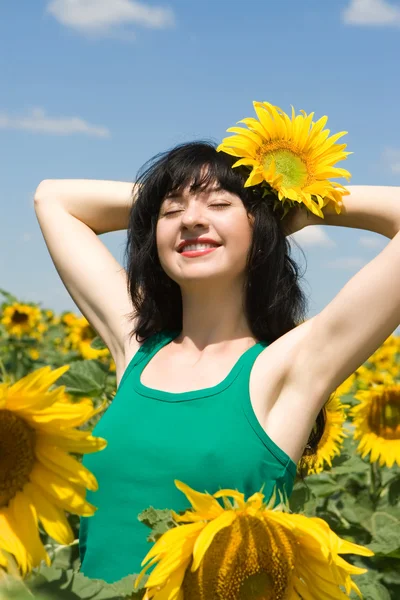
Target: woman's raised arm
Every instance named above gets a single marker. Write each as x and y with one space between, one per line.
71 215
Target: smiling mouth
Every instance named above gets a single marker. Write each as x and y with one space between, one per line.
193 253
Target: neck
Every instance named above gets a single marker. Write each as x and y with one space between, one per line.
213 315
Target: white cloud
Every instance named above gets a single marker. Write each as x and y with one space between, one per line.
314 235
368 241
392 157
38 122
346 263
371 12
103 17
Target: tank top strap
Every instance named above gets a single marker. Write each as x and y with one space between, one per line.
147 350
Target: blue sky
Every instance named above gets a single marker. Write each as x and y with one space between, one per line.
94 88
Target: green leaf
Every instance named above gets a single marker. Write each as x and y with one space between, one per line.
299 497
322 484
84 377
394 492
354 464
158 520
58 584
385 529
97 344
9 297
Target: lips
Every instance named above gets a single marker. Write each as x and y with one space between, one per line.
184 243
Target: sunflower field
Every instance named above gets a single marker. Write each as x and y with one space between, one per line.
337 537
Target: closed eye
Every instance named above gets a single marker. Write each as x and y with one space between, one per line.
171 212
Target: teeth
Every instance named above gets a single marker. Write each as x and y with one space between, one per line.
198 247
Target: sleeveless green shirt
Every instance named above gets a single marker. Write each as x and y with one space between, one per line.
210 439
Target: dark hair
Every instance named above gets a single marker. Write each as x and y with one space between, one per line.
273 300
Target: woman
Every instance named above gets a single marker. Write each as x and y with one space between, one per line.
221 380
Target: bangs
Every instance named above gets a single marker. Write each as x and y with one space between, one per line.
201 171
194 164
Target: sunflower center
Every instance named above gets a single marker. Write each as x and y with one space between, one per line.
384 415
19 317
17 454
252 559
87 334
288 163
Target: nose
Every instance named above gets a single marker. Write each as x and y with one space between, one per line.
194 214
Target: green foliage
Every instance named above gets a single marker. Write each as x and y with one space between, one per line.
359 501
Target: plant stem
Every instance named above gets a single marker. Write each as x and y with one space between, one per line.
376 482
4 373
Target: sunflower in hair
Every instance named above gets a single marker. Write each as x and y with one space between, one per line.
292 157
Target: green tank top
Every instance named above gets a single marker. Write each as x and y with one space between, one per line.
210 439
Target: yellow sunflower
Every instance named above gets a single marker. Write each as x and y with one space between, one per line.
23 319
68 318
39 480
247 550
81 335
377 424
367 377
295 157
332 439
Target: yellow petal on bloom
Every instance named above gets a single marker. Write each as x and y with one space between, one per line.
64 415
177 536
52 518
278 121
203 504
66 495
205 538
333 172
10 542
25 393
256 126
24 518
179 549
143 571
304 133
316 129
62 464
238 496
80 442
234 152
172 589
171 561
255 177
329 143
248 162
251 135
265 118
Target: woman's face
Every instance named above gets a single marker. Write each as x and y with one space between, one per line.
215 214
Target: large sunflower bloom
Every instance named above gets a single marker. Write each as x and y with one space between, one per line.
294 156
331 441
247 551
377 424
39 480
22 319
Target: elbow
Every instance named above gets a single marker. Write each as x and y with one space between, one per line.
43 191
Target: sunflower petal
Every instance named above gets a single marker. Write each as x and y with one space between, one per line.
207 535
203 504
62 464
24 518
52 518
